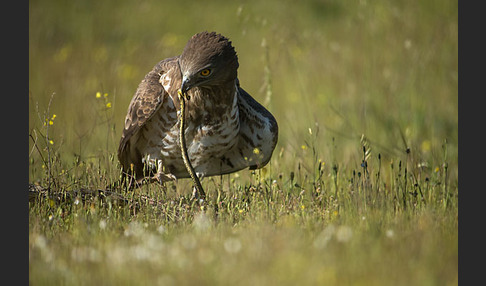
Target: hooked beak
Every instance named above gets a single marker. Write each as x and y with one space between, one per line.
186 84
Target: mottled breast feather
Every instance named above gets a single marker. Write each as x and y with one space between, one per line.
256 139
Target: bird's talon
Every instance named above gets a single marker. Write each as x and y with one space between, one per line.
196 196
162 178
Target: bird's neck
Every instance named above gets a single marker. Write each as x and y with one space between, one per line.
212 98
208 106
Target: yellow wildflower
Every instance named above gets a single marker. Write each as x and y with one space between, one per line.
50 121
98 94
108 105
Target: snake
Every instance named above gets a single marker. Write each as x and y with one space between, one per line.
185 155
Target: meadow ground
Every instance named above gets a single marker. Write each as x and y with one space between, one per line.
362 188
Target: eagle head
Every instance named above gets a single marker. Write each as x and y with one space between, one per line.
207 59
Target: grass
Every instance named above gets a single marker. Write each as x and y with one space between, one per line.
362 188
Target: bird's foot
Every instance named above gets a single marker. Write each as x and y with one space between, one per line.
163 177
197 197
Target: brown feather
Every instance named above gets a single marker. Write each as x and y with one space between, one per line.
227 130
147 99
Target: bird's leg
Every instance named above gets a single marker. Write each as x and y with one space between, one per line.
161 176
196 195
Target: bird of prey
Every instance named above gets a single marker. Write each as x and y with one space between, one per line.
227 130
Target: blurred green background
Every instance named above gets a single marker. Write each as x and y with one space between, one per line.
329 71
337 75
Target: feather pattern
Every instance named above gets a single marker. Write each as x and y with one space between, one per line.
227 129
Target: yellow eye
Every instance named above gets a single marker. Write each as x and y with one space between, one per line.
205 72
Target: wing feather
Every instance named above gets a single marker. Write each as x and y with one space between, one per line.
148 98
258 130
260 125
